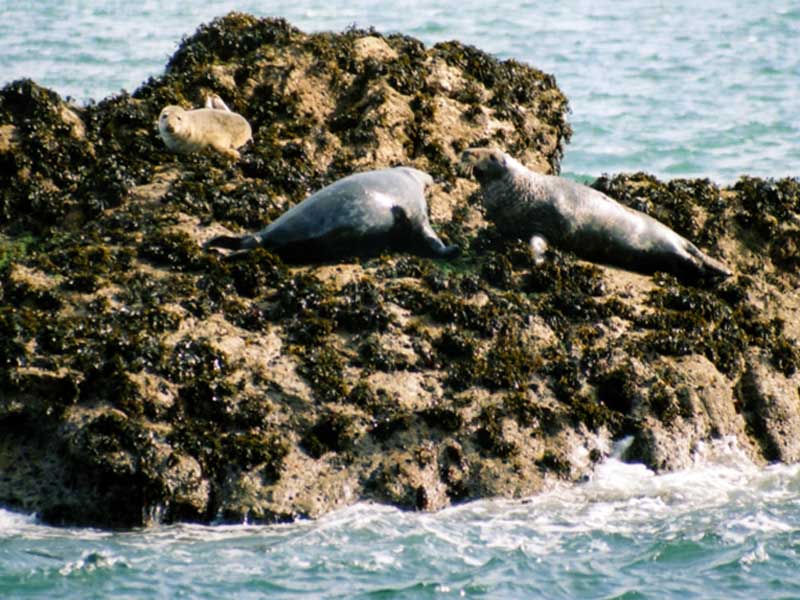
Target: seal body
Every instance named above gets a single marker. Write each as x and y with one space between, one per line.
359 215
551 210
215 127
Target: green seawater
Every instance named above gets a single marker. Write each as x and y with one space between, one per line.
678 89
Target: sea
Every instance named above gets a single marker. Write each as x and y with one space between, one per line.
675 88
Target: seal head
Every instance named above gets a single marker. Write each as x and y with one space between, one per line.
485 164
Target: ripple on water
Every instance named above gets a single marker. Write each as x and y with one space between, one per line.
626 531
675 89
624 68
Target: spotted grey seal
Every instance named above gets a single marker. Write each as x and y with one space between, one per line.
214 126
551 210
359 215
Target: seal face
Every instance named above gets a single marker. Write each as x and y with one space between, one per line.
551 210
215 127
359 215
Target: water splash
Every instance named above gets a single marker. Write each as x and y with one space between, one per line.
720 528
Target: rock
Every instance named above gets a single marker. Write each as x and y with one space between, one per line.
143 380
771 404
695 404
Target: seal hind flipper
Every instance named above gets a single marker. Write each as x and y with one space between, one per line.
229 242
215 102
709 267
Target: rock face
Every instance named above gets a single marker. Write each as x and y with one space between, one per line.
142 380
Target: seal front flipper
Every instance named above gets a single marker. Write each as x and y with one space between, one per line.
440 250
436 246
433 243
538 249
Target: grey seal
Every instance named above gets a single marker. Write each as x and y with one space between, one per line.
358 215
546 209
214 126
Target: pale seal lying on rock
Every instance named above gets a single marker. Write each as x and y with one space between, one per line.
551 210
359 215
214 126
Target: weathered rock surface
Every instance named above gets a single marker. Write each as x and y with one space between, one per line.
142 380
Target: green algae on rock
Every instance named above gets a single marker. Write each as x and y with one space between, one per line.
139 372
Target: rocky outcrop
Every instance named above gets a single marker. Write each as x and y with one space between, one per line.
143 380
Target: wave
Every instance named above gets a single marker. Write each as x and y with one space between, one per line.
626 528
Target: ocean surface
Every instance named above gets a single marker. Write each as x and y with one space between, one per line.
721 529
678 89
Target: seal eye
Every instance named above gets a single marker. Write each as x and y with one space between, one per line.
493 158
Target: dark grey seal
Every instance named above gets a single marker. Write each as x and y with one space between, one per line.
551 210
359 215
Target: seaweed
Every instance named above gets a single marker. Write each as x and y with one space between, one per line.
323 368
510 361
334 431
360 308
374 356
489 433
233 36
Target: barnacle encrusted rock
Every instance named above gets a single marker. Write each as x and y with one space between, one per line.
143 380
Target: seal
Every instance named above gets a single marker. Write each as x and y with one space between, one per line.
359 215
215 127
546 209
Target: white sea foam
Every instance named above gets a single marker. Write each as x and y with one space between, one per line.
11 521
624 518
628 499
758 555
618 498
92 561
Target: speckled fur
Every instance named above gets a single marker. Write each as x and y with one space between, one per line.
575 217
185 131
